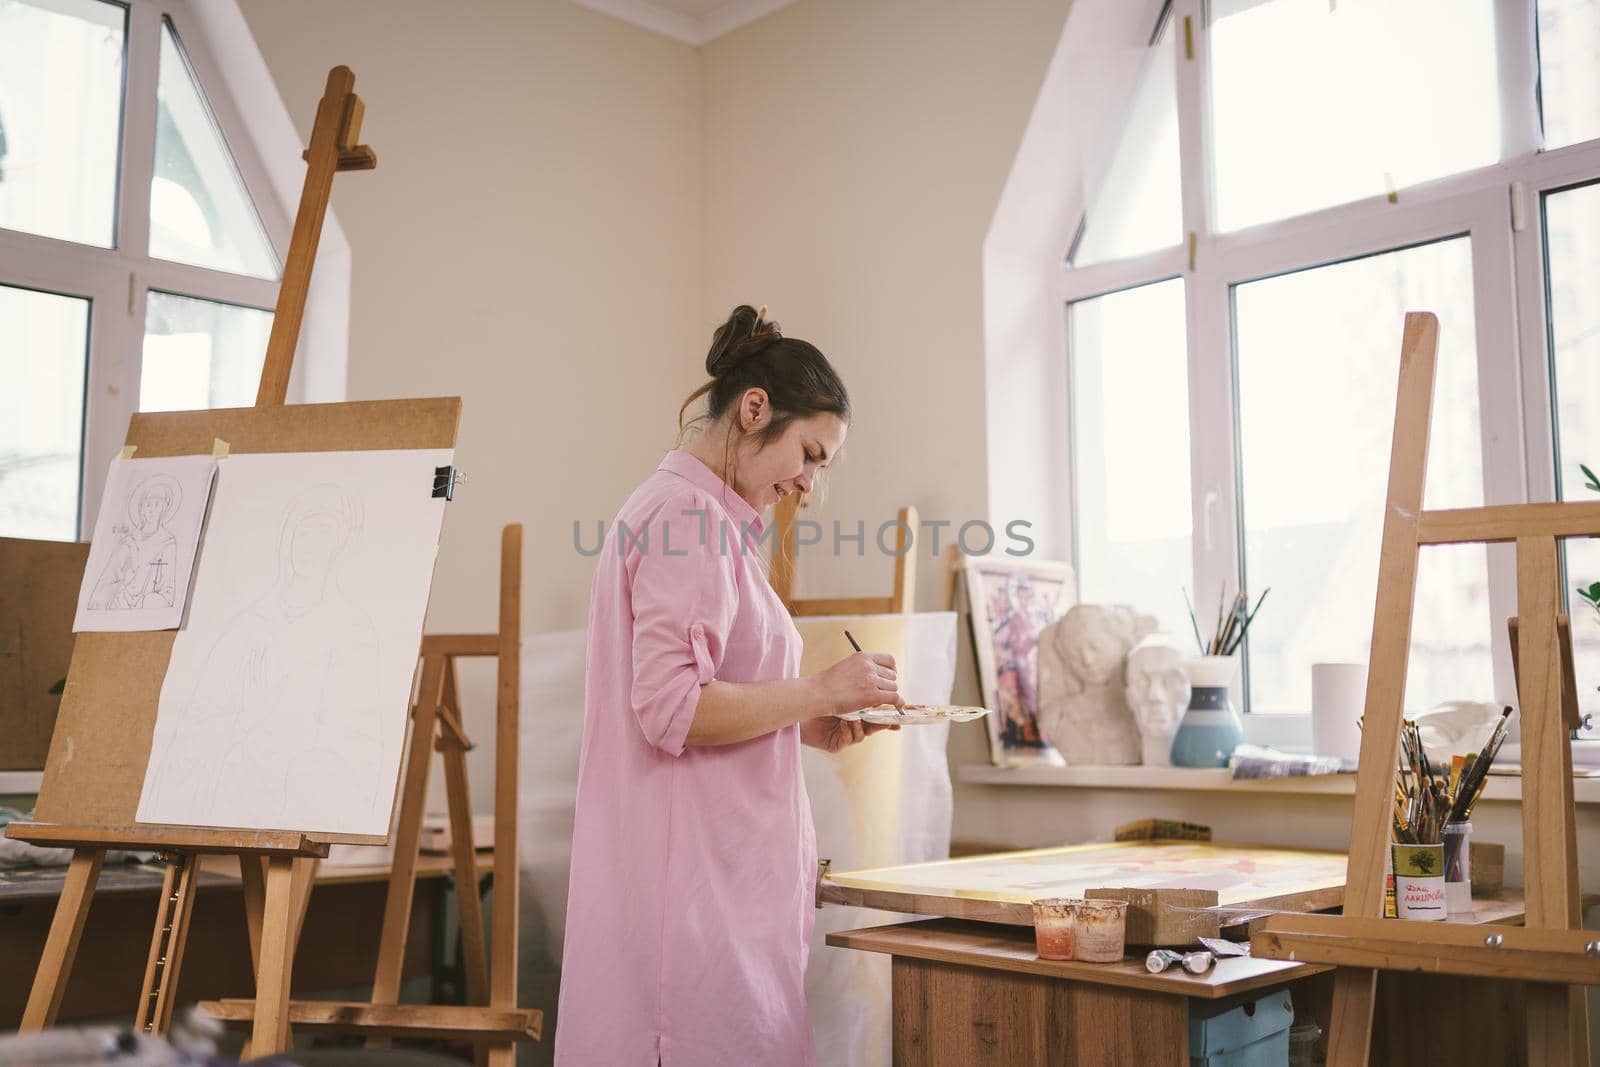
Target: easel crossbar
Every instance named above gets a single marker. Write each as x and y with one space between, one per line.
1512 952
1507 522
168 838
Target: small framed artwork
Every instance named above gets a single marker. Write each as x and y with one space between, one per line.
1011 601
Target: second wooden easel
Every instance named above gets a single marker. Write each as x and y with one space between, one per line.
1552 953
785 563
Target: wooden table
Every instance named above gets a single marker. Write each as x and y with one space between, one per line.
339 942
977 994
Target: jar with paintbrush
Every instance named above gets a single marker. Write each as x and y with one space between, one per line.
1431 824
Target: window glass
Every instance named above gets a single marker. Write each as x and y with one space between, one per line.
1572 263
201 354
1130 441
200 212
44 341
1318 364
1569 70
1315 103
60 117
1139 204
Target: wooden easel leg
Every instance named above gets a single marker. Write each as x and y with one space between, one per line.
270 1033
407 840
507 738
253 875
1557 1015
1350 1031
454 755
50 982
160 989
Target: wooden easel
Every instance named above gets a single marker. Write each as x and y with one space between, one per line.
101 743
900 600
1552 950
490 1017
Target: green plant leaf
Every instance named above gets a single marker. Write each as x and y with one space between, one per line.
1594 483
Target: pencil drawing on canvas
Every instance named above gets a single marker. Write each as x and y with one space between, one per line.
143 570
281 695
286 696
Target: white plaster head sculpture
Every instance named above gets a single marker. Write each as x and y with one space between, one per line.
1083 711
1158 693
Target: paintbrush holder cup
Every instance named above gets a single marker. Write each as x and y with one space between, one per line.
1211 729
1458 867
1419 882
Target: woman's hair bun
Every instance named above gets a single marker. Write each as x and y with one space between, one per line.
746 332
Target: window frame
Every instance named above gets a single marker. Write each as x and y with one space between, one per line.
116 280
1497 207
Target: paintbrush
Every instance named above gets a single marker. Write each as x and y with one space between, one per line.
1249 617
1194 624
853 642
1486 760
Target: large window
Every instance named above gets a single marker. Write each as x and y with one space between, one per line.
135 270
1337 166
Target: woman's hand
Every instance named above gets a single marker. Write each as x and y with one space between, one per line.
862 680
831 734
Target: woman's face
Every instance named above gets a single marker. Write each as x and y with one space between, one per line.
788 464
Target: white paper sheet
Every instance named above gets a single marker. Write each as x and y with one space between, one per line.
285 701
144 543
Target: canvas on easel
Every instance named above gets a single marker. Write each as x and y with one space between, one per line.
283 704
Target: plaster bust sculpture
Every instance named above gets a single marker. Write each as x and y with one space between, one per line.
1083 709
1157 693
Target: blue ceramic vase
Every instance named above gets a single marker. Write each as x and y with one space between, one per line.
1210 729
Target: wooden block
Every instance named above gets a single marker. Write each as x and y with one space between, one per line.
1164 917
1162 830
1488 863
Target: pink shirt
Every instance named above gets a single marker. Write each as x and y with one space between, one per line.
690 904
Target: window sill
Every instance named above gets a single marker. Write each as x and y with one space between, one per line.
1501 788
20 783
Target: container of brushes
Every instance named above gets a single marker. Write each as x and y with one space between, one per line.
1419 882
1211 729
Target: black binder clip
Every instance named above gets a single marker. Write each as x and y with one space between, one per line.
444 483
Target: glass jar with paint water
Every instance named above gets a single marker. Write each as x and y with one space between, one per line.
1099 930
1457 841
1419 882
1054 927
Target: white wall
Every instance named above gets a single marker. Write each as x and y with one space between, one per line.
530 241
855 152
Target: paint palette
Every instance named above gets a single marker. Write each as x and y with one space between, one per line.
915 714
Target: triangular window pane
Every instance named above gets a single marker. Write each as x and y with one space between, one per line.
200 212
1138 206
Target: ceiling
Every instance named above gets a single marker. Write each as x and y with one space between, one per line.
691 21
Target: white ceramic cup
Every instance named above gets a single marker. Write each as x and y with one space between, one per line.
1338 695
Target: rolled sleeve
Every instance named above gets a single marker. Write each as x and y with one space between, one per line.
684 603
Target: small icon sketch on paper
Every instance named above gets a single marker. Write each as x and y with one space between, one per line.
145 539
143 570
